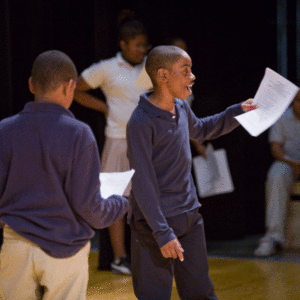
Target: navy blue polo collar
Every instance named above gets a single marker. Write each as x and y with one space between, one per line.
153 110
35 106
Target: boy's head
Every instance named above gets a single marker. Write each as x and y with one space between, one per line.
170 67
52 70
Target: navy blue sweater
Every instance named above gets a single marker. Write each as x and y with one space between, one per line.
159 151
49 180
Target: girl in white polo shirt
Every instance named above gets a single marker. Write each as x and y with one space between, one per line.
122 79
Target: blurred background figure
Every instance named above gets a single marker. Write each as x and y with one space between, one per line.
177 41
284 139
121 79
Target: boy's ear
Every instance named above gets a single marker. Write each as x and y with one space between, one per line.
162 75
69 87
30 84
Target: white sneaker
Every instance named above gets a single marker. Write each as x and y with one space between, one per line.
267 247
121 266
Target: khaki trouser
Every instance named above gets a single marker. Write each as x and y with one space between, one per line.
27 272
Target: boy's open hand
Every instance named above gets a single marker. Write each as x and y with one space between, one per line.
172 249
247 105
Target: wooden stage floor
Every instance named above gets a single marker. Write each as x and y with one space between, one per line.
234 279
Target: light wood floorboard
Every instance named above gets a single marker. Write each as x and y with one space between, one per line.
234 279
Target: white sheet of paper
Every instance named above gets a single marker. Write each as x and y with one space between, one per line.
114 183
274 95
212 165
206 186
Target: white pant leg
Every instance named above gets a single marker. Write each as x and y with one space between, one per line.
278 189
24 268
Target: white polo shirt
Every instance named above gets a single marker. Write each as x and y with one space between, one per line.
287 131
122 85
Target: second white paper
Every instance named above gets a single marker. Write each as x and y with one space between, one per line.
211 180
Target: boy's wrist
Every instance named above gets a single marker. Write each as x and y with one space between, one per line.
163 238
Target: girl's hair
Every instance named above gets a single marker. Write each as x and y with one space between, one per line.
129 27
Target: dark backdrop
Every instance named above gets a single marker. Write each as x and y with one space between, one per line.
230 42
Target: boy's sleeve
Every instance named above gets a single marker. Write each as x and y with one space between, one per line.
83 187
212 127
144 182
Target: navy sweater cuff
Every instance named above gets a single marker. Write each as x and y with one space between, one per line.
163 237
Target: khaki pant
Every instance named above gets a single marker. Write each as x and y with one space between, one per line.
27 272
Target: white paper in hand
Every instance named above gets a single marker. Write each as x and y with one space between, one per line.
274 95
114 183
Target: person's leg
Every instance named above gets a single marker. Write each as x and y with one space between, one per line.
192 275
17 277
63 278
121 262
105 253
152 274
115 160
117 238
278 188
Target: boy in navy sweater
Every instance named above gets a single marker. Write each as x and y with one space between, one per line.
167 230
50 197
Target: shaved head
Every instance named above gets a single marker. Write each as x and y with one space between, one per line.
50 69
162 57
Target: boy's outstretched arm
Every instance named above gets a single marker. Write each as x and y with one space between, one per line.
212 127
83 190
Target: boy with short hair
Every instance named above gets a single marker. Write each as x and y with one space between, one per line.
165 221
50 197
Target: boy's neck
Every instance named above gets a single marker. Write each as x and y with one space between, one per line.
162 101
48 99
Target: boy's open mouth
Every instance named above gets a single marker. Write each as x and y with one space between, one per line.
189 88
